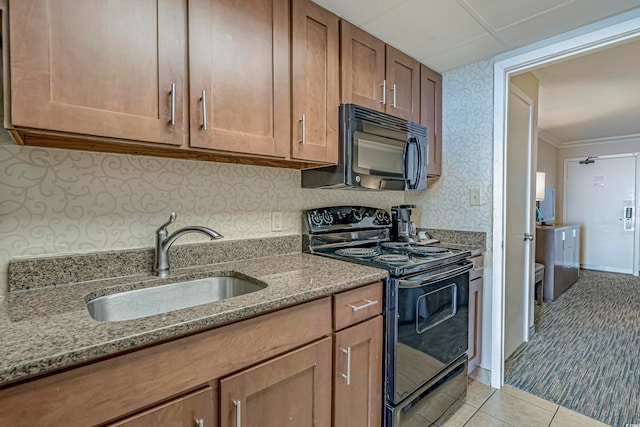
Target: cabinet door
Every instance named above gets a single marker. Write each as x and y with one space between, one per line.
315 82
100 68
431 117
239 76
403 85
362 62
291 390
475 322
193 410
357 375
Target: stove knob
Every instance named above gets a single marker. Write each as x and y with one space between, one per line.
355 215
382 217
328 219
316 218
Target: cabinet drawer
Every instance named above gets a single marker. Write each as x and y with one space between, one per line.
478 267
356 305
186 410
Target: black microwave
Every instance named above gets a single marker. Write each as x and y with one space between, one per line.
376 151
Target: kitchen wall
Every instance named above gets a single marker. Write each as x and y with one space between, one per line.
622 145
60 201
467 162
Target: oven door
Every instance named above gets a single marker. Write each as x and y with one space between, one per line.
427 327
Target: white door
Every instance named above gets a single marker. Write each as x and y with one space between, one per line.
517 220
598 196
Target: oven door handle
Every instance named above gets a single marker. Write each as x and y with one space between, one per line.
409 284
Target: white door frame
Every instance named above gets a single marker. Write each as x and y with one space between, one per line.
636 231
595 36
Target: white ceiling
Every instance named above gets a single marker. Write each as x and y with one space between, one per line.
582 99
593 97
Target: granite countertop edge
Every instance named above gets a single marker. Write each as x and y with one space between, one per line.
70 337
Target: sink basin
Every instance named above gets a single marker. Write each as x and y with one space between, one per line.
162 299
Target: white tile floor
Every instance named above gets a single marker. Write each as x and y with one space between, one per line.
509 407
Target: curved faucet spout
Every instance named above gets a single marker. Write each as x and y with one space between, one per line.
164 242
213 234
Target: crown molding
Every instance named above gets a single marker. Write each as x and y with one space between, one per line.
546 137
596 141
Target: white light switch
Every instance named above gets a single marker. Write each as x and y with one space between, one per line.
474 196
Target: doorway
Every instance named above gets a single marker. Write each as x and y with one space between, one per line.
585 40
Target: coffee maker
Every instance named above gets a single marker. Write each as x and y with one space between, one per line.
403 229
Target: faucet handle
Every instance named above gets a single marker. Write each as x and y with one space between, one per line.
163 227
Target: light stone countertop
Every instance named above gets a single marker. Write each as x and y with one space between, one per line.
49 328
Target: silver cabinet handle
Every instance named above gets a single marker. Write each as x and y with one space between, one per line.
199 422
363 306
384 92
394 96
347 376
304 129
238 406
204 110
173 104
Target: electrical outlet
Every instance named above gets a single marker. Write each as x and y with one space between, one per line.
474 196
277 221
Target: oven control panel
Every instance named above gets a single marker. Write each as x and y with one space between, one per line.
336 218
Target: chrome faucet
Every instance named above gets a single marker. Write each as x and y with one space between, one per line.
164 242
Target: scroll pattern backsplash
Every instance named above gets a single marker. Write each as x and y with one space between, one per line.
61 201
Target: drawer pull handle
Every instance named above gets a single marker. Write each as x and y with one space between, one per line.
304 129
204 110
394 96
384 92
368 304
199 422
347 376
172 121
238 406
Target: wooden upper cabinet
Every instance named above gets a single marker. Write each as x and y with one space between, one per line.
378 76
100 68
239 76
315 82
431 117
291 390
403 85
362 63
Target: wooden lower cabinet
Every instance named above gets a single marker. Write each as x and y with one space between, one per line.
357 378
291 390
195 409
276 370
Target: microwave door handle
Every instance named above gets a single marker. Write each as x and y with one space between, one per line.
419 168
404 163
411 183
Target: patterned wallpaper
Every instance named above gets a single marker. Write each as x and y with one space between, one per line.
467 153
61 201
58 201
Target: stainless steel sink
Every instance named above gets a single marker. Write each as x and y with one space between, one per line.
162 299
